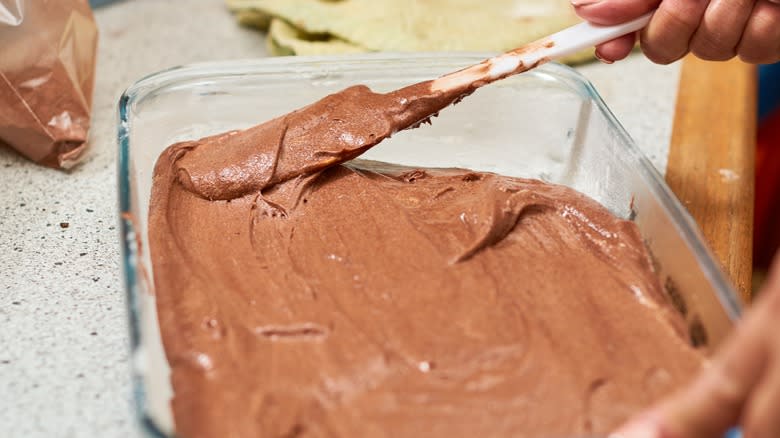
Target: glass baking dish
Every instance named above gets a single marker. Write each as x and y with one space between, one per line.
548 124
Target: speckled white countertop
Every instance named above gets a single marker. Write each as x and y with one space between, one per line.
64 369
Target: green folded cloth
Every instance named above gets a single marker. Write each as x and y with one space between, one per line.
319 27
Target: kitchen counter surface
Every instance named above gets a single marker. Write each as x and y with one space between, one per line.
64 361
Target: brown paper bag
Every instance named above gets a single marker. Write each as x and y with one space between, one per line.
47 72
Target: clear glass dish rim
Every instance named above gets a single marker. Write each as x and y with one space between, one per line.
682 220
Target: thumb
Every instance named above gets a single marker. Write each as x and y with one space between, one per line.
715 401
708 408
712 404
608 12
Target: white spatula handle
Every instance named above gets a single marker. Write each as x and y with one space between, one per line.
564 43
580 37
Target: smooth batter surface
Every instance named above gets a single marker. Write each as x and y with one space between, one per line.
384 302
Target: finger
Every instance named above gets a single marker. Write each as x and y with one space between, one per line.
715 402
666 39
607 12
616 49
762 414
721 29
762 419
760 42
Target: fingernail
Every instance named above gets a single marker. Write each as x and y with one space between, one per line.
643 427
605 61
590 2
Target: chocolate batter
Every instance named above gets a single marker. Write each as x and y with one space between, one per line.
302 297
365 300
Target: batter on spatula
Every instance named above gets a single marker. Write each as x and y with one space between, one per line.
333 130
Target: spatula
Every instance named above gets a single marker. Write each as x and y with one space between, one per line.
343 125
559 45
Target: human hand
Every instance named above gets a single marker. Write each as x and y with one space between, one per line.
741 386
715 30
